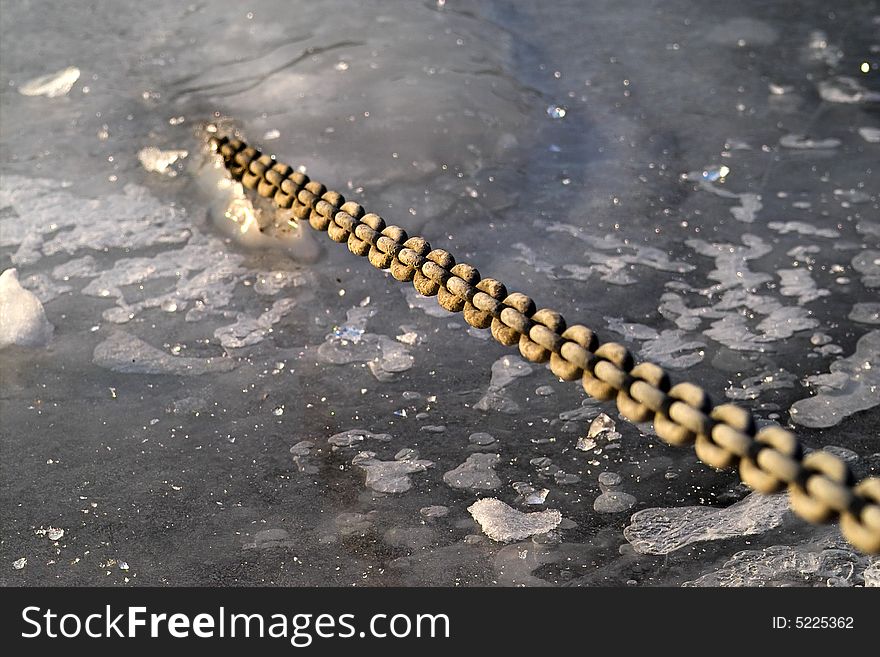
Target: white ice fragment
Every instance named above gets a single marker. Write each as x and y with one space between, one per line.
270 135
22 318
601 424
52 533
798 565
18 564
866 313
354 436
123 352
504 524
664 530
800 142
845 89
802 228
476 473
390 476
52 85
850 386
870 135
158 160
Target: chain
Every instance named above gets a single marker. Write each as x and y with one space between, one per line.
821 486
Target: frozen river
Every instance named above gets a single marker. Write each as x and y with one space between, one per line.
697 180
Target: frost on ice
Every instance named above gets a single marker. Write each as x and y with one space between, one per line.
504 524
664 530
52 85
22 318
850 386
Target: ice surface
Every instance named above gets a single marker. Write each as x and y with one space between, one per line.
867 263
22 318
51 85
661 531
504 524
476 473
354 436
123 352
851 386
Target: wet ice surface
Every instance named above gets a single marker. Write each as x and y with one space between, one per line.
244 414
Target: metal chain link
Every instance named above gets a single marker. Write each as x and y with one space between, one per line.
821 486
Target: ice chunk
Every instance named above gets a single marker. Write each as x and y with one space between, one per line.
867 263
505 371
504 524
850 386
785 565
435 511
664 530
248 331
354 436
389 476
866 313
798 283
160 161
801 142
22 318
802 228
123 352
870 135
476 473
52 85
845 89
614 501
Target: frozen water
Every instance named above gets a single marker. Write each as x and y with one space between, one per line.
661 531
476 473
22 318
850 386
504 524
355 436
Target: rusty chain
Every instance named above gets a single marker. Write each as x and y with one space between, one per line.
821 486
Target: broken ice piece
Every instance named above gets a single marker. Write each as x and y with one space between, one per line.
601 425
18 564
159 161
435 511
476 473
22 318
52 85
585 444
504 524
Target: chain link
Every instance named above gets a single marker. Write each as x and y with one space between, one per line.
821 486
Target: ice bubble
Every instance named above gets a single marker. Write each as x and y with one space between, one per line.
52 85
22 318
476 473
504 524
664 530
